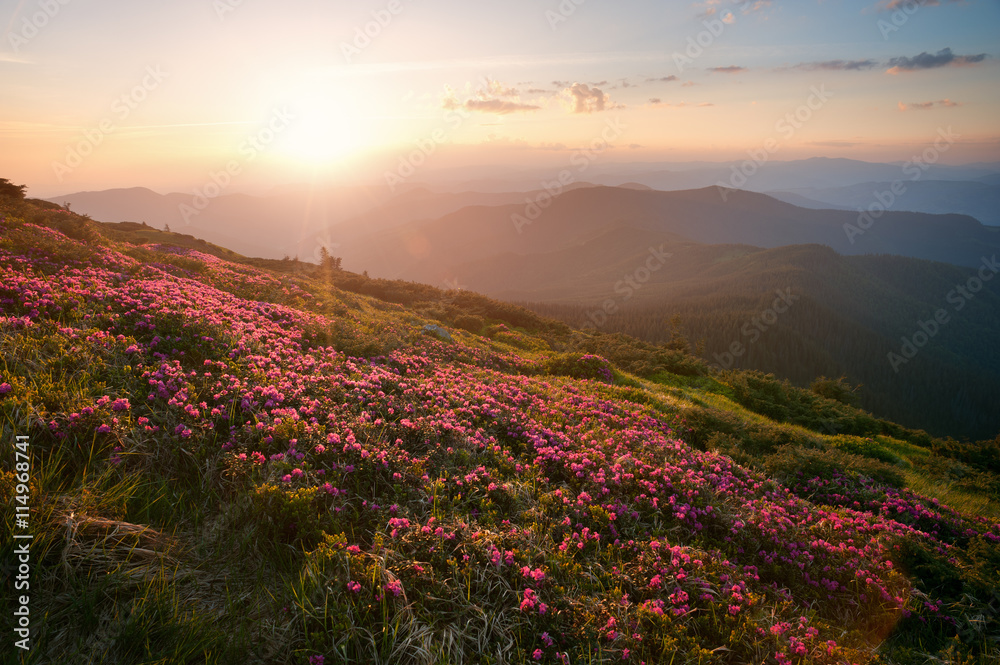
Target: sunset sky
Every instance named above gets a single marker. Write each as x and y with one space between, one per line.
117 93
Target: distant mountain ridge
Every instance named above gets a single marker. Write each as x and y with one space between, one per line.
839 315
430 250
978 199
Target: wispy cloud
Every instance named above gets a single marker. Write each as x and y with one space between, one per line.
731 69
494 97
710 8
836 65
893 5
491 63
926 106
943 58
9 57
657 102
498 106
662 79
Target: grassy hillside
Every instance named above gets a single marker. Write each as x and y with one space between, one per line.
235 461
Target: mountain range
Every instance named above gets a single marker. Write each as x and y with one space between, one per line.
631 258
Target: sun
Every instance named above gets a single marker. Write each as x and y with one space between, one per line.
325 130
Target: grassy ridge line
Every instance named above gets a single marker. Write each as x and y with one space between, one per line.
251 525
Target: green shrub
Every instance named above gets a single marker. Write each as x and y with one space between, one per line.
836 389
472 324
863 447
789 461
288 516
579 366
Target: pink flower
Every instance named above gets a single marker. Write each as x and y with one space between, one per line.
395 587
537 655
5 388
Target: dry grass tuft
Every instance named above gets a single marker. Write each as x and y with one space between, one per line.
134 551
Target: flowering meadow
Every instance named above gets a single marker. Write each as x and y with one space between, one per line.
222 474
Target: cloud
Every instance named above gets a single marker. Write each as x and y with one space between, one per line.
688 84
731 69
708 8
494 97
656 101
584 99
893 5
662 79
925 106
498 106
497 89
943 58
837 65
6 57
750 8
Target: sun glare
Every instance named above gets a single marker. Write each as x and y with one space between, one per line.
324 131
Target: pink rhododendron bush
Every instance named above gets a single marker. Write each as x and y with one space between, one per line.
213 474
